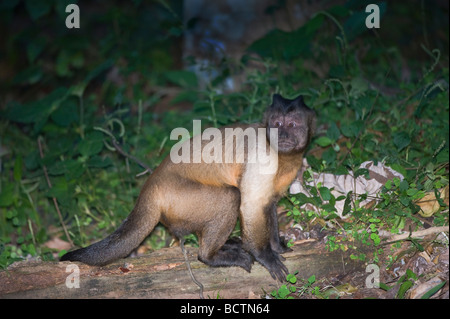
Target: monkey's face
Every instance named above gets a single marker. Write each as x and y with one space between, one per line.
293 131
294 121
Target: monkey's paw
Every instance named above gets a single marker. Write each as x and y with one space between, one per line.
272 261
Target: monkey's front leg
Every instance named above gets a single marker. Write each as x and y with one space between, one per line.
257 226
256 240
276 242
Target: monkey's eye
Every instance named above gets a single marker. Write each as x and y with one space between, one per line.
278 124
292 124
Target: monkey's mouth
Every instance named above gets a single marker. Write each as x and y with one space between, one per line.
284 146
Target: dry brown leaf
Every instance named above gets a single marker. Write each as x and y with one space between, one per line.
57 244
429 204
421 289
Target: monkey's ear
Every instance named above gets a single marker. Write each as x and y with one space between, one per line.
299 100
277 99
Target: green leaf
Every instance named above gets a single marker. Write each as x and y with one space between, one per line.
388 184
34 48
78 89
30 75
314 162
347 204
433 290
182 78
329 208
92 144
412 191
278 44
296 211
376 239
291 278
404 288
323 141
303 199
410 274
185 96
325 193
405 200
18 169
362 171
359 87
283 291
31 249
60 189
442 156
352 129
38 8
67 113
36 111
437 194
403 185
399 168
62 64
329 156
99 162
61 167
417 245
333 132
384 286
7 195
401 140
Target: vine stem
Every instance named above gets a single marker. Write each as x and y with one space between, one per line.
55 202
122 152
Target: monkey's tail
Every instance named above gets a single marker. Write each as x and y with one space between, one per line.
121 243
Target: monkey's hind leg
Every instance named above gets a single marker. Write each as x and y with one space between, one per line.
215 248
230 254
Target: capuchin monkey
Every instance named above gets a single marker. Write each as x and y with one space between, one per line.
208 196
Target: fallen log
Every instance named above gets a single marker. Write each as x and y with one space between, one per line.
163 274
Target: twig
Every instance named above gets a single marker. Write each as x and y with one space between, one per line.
55 202
199 284
122 152
420 233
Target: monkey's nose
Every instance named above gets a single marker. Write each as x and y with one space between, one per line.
283 134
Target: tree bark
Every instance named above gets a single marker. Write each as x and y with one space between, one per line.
163 274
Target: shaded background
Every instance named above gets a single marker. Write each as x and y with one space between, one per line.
137 42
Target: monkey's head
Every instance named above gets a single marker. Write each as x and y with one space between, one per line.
295 122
